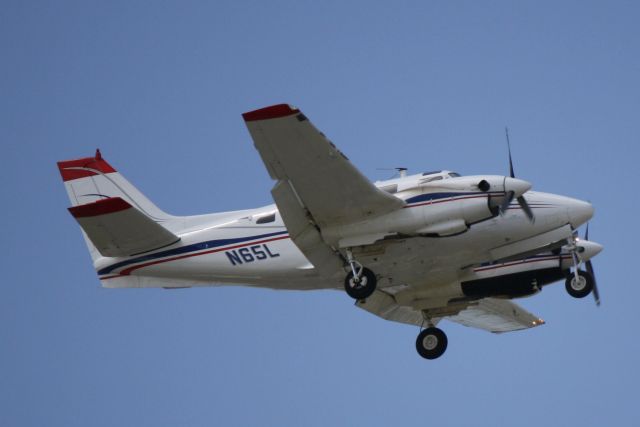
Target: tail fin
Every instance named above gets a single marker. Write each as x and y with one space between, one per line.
91 179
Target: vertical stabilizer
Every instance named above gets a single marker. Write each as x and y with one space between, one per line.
92 179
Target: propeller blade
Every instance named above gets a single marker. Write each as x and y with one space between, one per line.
508 198
526 208
511 173
596 294
586 233
510 194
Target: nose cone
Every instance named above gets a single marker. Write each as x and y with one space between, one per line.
589 249
579 212
518 186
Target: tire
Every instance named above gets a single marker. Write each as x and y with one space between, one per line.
579 289
364 288
431 343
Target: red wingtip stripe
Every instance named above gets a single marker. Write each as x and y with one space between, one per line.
272 112
81 168
100 207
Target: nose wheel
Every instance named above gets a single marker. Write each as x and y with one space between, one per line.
431 343
579 284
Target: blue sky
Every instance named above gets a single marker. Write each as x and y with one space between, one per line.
160 86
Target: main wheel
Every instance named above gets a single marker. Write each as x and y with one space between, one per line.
362 287
431 343
581 287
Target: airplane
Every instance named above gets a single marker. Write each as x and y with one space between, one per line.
415 249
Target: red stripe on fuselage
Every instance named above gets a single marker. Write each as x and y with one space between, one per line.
110 277
127 271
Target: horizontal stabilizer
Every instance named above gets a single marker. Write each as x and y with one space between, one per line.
118 229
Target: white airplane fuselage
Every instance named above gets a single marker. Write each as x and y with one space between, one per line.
234 248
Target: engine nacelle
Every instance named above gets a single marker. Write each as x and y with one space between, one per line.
436 209
513 284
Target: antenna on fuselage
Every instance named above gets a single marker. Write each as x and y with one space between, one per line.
401 172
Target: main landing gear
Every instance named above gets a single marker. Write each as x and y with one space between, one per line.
360 283
431 343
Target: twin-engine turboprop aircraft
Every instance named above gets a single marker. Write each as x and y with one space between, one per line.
416 249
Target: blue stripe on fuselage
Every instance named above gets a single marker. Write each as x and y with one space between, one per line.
186 249
438 196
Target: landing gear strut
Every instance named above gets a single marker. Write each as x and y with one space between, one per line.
580 283
360 283
431 343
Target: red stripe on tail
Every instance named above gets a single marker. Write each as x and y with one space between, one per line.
81 168
272 112
100 207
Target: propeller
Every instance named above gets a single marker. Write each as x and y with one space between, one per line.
596 294
509 195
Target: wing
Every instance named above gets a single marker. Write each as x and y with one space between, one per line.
325 182
490 314
384 305
118 229
496 315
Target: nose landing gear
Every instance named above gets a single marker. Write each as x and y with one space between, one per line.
579 284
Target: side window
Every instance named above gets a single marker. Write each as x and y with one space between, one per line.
433 178
266 219
390 188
